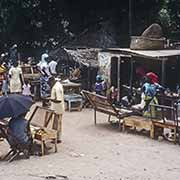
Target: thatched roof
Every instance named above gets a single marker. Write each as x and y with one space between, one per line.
87 57
59 54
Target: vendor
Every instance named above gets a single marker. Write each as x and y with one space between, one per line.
20 131
57 105
149 91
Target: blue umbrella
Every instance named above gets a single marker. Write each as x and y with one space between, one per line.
14 105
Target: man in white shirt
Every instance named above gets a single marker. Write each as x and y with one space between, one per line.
57 104
52 67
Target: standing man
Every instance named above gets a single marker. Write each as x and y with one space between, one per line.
52 67
57 104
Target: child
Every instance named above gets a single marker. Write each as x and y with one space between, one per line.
26 88
113 94
100 86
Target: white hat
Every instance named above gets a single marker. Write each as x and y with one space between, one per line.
44 56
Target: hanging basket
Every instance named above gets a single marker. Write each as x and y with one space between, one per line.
146 43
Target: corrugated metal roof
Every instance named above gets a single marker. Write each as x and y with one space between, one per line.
157 54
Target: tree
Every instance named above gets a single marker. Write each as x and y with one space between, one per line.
43 24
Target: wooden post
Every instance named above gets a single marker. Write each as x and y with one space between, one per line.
55 145
120 125
42 147
163 72
152 131
95 116
131 76
119 79
130 19
109 118
88 78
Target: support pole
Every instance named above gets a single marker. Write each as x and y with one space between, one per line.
130 19
88 77
131 76
163 72
119 79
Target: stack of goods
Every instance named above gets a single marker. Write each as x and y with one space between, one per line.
151 39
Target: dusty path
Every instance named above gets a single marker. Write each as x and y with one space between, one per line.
99 152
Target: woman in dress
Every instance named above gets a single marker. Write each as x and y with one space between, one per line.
15 75
44 78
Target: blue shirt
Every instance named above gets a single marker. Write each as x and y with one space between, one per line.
151 89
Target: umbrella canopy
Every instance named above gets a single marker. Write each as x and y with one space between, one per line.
14 105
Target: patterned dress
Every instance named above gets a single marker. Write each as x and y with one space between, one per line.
44 86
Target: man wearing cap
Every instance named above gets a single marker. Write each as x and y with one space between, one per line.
57 104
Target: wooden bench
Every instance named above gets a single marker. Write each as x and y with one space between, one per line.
139 122
41 121
103 105
165 117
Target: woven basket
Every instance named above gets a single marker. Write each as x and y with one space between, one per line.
145 43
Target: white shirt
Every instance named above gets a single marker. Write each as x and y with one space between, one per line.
57 93
52 66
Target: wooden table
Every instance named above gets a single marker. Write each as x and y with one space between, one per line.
45 135
73 99
139 122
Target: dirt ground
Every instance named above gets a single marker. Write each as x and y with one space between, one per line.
101 152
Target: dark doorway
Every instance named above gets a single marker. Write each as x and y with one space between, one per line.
114 71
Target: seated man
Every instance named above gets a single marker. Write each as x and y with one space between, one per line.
19 132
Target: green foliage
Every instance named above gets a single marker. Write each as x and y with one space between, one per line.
169 16
42 23
165 17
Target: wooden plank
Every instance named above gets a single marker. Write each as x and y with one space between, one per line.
39 116
164 125
139 122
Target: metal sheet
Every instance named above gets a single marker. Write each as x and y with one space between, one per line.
157 54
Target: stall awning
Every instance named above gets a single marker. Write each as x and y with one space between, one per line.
155 54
